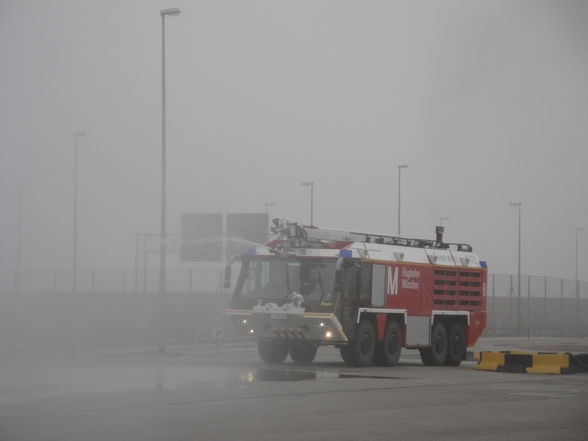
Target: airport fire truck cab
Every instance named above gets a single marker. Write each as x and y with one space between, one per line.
367 294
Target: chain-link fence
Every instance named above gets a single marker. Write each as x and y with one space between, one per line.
125 307
39 309
111 281
542 305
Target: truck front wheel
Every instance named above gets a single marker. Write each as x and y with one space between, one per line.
437 353
303 352
360 352
272 351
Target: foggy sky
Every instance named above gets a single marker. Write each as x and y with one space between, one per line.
486 101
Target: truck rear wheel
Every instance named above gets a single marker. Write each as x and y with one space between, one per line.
437 353
456 345
360 352
303 352
388 350
272 351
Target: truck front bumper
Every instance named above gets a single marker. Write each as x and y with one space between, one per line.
295 324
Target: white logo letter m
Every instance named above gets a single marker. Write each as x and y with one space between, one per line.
392 282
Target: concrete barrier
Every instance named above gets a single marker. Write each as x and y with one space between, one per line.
516 362
578 363
532 362
549 363
490 360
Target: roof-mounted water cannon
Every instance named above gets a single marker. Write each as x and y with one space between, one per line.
282 229
439 229
279 228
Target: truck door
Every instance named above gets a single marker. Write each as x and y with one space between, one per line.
350 298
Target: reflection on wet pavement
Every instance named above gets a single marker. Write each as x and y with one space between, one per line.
277 374
80 376
287 375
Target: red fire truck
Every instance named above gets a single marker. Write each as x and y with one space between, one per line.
367 294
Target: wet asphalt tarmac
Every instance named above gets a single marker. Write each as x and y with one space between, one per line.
197 393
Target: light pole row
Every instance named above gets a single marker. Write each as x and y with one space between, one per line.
400 167
311 185
162 270
172 12
577 284
74 280
518 205
19 240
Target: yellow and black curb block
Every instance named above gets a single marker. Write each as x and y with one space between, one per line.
531 362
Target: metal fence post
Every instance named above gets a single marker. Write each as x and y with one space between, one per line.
577 304
190 281
136 279
510 293
545 303
144 263
561 308
528 307
494 301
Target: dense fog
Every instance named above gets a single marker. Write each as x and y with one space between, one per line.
389 117
485 102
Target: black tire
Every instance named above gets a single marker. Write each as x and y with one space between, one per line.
303 352
360 351
272 351
437 353
388 350
346 355
456 345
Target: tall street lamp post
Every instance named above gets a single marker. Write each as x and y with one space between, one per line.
162 241
19 239
74 283
518 205
577 282
311 185
400 167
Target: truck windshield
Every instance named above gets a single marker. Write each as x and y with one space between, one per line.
276 278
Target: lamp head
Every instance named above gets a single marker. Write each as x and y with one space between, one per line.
172 12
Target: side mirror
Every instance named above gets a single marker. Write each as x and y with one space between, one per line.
227 283
339 274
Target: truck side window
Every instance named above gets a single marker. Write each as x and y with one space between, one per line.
350 285
365 289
